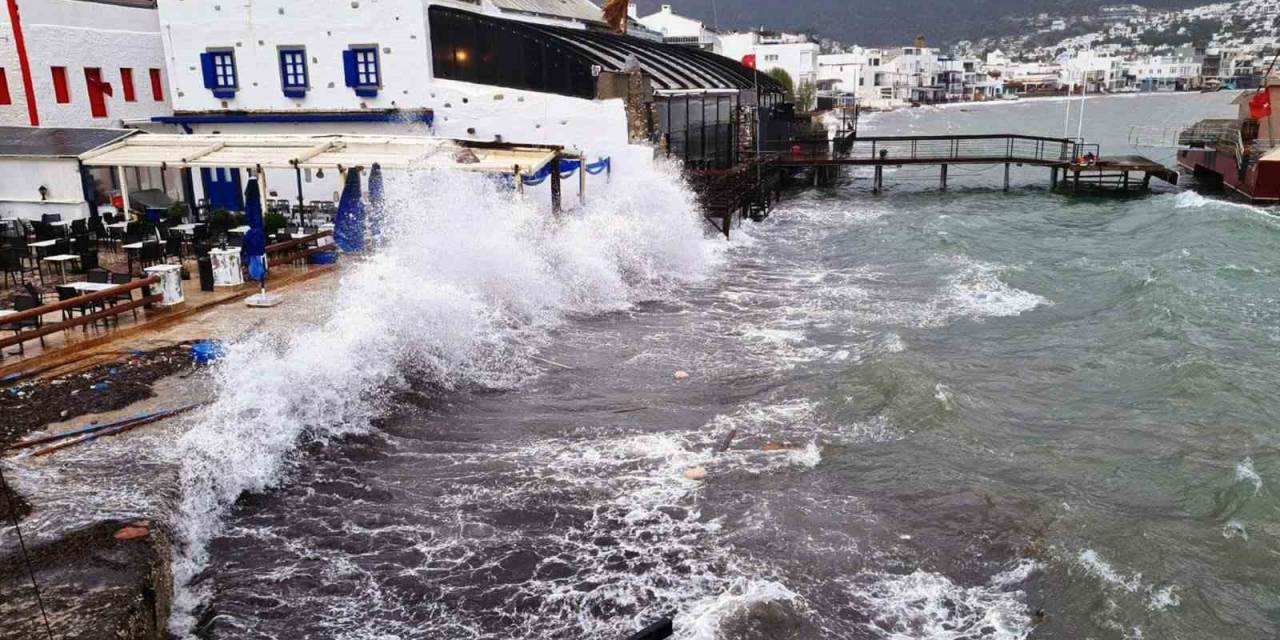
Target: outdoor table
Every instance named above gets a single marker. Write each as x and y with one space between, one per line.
61 260
39 246
131 250
226 267
118 225
91 287
240 230
189 228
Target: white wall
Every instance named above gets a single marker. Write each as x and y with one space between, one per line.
799 59
79 35
846 69
21 182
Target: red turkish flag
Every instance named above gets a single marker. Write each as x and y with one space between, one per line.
101 87
1260 105
749 60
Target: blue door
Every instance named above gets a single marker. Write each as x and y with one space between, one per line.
222 188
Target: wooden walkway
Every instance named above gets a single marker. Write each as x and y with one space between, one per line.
1062 156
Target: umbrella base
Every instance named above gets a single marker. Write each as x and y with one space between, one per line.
263 300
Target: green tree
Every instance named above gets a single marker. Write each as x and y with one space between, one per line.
806 95
784 79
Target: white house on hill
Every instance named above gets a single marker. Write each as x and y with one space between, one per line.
677 29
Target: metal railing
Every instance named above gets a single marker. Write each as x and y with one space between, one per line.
79 302
965 148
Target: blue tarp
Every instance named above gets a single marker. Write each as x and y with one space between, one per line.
254 249
567 169
348 225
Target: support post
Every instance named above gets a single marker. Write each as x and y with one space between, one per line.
582 180
944 177
124 191
878 181
164 180
302 203
1126 180
519 182
1006 176
1053 178
555 183
189 193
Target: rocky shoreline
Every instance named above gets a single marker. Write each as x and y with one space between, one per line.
106 578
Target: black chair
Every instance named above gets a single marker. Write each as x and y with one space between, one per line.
17 265
173 246
88 260
152 253
23 303
45 231
127 296
235 240
51 217
79 227
68 313
98 276
33 292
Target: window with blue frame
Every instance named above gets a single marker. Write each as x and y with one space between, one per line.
293 72
363 70
219 68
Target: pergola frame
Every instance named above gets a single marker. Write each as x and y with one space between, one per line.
342 152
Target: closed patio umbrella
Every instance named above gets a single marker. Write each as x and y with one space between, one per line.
348 225
377 202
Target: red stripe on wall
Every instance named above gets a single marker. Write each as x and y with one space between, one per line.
21 45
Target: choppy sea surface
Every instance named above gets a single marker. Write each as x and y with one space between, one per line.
943 415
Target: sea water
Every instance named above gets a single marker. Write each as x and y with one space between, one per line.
923 414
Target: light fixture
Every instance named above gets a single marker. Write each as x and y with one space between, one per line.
44 192
320 174
460 55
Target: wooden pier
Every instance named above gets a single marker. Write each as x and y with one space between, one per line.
1074 166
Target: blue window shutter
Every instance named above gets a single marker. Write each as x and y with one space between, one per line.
210 76
349 66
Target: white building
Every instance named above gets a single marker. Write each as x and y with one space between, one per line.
75 65
1096 72
794 53
1164 73
678 29
844 72
81 63
494 71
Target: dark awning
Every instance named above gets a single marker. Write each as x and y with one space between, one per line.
671 67
52 142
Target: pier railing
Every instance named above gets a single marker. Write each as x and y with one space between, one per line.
965 148
939 149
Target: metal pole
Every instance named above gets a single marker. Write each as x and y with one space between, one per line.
302 203
124 191
582 179
944 177
1006 176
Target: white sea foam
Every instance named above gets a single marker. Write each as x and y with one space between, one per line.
977 291
1235 529
1193 200
461 293
1246 473
703 619
924 605
1158 598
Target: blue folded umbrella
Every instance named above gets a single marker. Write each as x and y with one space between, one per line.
348 225
254 249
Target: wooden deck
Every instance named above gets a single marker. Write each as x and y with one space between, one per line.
68 346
